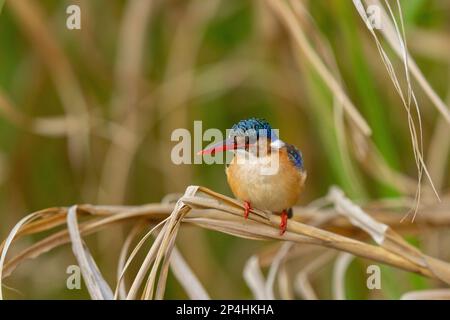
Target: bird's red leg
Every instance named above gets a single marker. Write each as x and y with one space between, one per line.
247 208
283 223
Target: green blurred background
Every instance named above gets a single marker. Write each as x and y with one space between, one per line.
86 116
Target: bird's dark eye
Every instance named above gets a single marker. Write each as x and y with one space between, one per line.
235 142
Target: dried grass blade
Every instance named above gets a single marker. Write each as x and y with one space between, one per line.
121 289
434 294
96 285
170 232
165 249
284 284
254 278
134 252
275 266
149 258
392 39
340 268
187 277
7 243
302 283
113 215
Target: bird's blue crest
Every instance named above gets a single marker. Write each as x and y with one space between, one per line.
253 126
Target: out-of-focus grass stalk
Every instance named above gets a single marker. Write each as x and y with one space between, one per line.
365 87
183 55
438 152
31 18
316 78
321 113
287 17
128 69
323 47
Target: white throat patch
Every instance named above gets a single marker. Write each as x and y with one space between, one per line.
277 144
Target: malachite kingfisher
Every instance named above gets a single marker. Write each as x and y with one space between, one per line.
265 172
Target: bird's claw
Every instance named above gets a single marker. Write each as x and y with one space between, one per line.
283 223
247 208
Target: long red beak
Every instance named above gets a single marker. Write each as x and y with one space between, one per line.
221 146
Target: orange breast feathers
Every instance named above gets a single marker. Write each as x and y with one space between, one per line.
263 183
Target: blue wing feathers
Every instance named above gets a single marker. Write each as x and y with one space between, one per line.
295 155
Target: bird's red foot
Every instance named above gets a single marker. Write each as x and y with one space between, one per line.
283 223
247 208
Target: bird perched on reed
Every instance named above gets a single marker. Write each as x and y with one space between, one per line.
265 172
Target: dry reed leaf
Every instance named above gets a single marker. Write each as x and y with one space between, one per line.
46 222
287 17
132 293
395 178
356 215
304 288
397 39
277 263
254 278
340 268
438 153
387 252
96 285
324 47
186 277
121 290
302 284
284 284
207 209
163 254
133 254
388 32
433 294
386 237
7 243
62 237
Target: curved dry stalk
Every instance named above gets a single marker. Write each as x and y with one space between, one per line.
295 27
254 278
208 209
392 248
302 282
62 237
263 289
133 254
340 268
397 40
284 284
276 265
96 285
132 293
9 240
121 290
56 126
434 294
390 35
186 277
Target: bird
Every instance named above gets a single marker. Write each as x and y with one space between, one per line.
265 172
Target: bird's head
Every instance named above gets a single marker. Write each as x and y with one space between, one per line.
254 135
